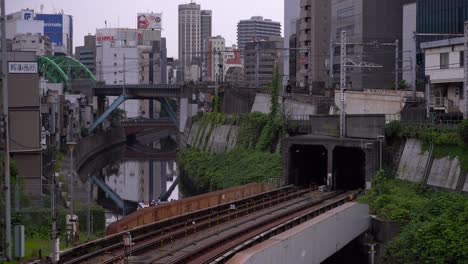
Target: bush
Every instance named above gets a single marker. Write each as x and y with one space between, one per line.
463 131
434 224
393 130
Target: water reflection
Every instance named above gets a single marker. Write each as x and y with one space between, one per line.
141 171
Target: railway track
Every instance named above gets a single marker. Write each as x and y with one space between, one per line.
219 248
147 238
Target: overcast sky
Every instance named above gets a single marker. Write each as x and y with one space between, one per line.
91 14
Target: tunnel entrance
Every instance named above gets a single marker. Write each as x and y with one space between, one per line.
307 165
349 168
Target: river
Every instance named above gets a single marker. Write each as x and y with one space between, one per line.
129 174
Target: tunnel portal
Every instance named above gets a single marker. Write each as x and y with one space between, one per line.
308 165
349 165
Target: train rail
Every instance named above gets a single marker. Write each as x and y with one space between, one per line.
219 249
110 249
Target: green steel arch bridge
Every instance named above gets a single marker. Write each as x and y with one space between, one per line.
63 69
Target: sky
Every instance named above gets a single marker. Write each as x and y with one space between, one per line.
91 14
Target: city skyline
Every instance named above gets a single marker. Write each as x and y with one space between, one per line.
122 13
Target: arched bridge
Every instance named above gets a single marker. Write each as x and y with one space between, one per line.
63 69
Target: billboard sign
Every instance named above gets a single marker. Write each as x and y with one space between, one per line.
149 21
22 67
53 27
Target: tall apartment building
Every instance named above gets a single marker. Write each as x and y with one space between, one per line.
87 54
292 10
367 21
312 37
194 27
260 60
256 29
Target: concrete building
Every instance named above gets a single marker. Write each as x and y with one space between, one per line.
59 29
255 29
445 66
87 54
206 25
215 57
25 121
260 60
190 42
37 43
424 16
23 22
232 59
313 37
292 9
119 61
367 21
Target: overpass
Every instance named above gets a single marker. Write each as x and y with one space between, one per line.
142 91
135 126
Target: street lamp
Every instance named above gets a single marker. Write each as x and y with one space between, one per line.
381 139
71 147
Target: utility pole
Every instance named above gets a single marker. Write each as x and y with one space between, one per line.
397 61
465 64
6 134
257 66
343 85
54 220
310 69
414 64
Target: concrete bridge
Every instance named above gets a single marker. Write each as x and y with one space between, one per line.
135 126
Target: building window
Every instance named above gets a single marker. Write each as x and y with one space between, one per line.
444 60
462 59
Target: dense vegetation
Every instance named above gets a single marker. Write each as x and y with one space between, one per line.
434 224
253 159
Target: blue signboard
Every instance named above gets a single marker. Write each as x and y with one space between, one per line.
53 27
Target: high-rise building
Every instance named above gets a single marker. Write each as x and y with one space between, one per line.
367 21
59 28
256 29
313 36
260 59
206 25
292 10
190 43
87 54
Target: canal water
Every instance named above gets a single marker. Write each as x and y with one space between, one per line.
120 180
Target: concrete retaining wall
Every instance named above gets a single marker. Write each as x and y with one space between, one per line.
216 140
413 162
313 241
357 126
444 173
417 166
262 104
